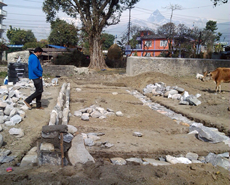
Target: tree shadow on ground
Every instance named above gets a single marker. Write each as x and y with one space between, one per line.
213 91
45 102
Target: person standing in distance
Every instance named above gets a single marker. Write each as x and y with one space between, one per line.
35 74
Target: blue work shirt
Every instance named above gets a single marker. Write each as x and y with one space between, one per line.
34 67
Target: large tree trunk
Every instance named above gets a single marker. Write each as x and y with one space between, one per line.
97 60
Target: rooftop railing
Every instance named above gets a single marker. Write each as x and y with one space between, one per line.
3 12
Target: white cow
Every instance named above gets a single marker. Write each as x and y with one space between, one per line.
199 76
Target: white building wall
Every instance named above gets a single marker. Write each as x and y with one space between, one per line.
3 14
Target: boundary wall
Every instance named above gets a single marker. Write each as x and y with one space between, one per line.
172 66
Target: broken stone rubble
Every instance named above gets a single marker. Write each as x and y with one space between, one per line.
137 134
220 160
78 153
58 126
118 161
176 160
25 83
1 140
206 134
4 156
155 162
18 132
12 106
175 92
122 160
96 112
90 139
31 159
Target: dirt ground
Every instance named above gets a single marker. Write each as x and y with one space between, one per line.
161 135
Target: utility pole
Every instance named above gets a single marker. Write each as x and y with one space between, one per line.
129 24
128 48
199 43
172 7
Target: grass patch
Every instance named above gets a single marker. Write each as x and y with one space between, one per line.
47 75
110 71
3 74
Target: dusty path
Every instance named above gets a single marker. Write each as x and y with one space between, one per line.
162 135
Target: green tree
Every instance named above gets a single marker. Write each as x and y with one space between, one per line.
211 26
218 36
216 2
107 40
169 31
114 56
182 40
95 16
34 45
18 36
114 52
63 33
134 33
84 42
3 46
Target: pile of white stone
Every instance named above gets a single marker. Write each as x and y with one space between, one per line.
12 108
216 160
27 83
174 92
96 112
12 104
91 139
12 111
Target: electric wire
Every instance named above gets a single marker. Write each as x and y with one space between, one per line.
124 18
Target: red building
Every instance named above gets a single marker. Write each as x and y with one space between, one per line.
150 45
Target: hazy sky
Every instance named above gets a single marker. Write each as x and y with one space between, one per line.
28 14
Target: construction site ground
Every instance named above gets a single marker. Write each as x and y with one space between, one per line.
161 135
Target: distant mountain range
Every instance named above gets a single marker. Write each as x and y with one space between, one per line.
156 19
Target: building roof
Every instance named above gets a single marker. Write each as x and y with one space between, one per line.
15 46
188 38
153 37
57 47
2 4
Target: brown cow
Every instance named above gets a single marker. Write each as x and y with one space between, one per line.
218 75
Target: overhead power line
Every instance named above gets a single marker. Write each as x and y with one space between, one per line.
168 13
24 20
25 14
19 6
197 7
22 26
33 1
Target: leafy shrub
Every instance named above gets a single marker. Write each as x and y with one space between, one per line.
75 58
33 45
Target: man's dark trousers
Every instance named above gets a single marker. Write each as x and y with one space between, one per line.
37 94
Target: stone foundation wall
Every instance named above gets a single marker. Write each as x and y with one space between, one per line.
13 57
63 70
172 66
58 70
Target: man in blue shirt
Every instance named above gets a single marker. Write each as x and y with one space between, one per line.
35 74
